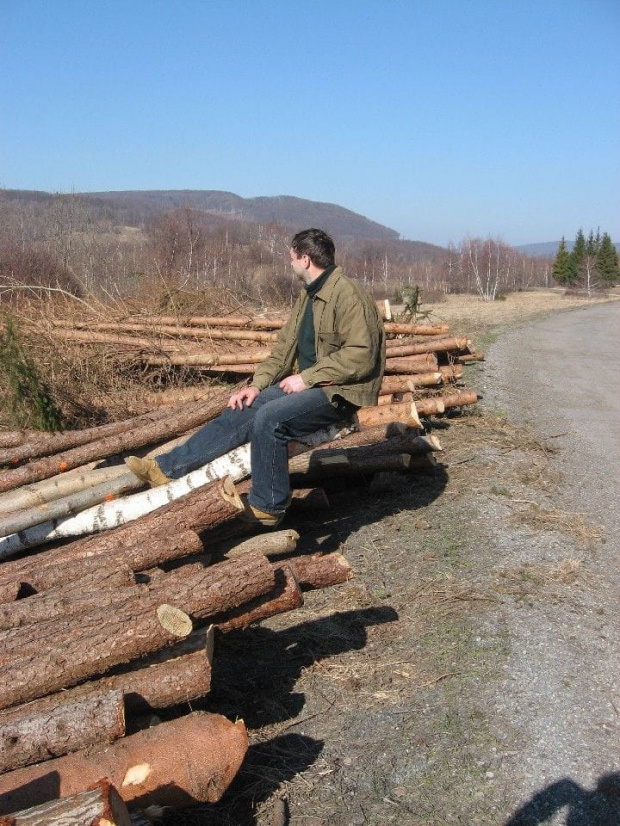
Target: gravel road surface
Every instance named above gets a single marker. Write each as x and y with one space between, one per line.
561 691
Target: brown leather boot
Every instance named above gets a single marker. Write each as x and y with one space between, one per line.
254 516
147 470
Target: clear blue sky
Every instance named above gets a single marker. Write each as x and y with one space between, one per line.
438 118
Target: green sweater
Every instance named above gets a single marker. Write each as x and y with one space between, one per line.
306 350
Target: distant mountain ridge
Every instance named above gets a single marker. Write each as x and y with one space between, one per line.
547 249
283 209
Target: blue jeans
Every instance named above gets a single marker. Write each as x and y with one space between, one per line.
273 420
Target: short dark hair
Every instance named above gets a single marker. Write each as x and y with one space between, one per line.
317 245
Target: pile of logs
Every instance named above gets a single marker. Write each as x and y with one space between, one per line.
425 355
120 617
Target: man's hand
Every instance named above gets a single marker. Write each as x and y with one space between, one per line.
293 384
243 398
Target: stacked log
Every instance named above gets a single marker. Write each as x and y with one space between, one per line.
95 632
97 615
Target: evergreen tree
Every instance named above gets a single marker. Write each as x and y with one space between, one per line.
561 265
31 403
577 257
607 261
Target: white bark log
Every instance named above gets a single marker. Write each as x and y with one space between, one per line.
235 464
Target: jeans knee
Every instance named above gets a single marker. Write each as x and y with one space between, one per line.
265 422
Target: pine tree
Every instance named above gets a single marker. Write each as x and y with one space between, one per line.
607 262
31 403
561 265
577 257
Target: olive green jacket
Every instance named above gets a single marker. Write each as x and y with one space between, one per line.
349 341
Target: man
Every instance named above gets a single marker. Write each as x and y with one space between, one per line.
327 362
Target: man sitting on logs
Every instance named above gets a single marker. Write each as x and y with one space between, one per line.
327 362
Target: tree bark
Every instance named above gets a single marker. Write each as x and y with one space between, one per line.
412 364
244 359
49 490
38 731
269 544
99 806
147 541
192 759
52 569
175 675
70 505
69 439
55 654
342 465
319 570
199 321
218 334
9 591
408 442
405 413
102 587
147 434
430 407
416 329
400 384
442 345
285 596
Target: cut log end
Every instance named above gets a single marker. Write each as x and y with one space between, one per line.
229 493
174 620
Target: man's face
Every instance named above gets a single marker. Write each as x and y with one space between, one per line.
299 263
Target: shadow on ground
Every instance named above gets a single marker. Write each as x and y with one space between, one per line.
600 807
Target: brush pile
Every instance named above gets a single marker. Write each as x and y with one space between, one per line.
119 618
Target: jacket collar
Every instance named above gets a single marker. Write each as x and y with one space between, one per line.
328 287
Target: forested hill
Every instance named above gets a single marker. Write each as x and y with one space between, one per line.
138 207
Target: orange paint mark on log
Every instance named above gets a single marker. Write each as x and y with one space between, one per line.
63 466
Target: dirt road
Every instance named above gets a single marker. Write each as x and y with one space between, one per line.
469 673
562 683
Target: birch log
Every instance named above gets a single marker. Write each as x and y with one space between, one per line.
99 806
235 464
164 535
118 513
192 759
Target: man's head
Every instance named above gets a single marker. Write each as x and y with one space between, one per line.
315 244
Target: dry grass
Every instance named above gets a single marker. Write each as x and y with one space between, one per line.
538 580
573 525
470 315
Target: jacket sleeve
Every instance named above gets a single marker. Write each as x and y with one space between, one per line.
355 346
278 362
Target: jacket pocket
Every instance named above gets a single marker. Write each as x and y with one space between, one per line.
328 343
